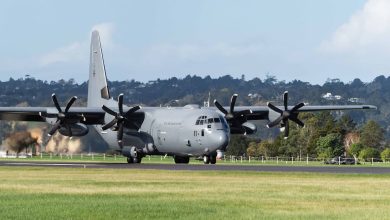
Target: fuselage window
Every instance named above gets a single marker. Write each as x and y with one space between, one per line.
210 121
216 120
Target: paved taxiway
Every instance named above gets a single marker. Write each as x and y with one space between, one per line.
201 167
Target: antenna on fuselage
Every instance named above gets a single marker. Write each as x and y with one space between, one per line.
207 103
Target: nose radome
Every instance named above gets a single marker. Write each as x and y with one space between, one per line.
223 140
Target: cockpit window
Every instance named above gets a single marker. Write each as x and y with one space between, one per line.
223 121
201 120
204 120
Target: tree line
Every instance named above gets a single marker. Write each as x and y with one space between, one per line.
321 129
324 136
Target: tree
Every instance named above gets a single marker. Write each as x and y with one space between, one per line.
325 124
372 135
385 155
355 149
237 146
345 124
329 146
253 149
351 138
268 149
367 153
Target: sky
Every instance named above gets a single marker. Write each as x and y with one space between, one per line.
306 40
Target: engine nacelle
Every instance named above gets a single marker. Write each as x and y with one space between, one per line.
249 127
245 128
78 130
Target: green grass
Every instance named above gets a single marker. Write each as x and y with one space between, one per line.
64 193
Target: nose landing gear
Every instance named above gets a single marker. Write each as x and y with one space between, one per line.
210 159
134 159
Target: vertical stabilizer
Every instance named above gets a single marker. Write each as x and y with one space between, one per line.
97 85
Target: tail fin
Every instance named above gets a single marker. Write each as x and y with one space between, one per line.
97 85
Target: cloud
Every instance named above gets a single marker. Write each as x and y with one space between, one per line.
366 30
71 53
106 31
77 51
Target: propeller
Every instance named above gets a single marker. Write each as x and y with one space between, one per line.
236 119
63 118
286 115
120 118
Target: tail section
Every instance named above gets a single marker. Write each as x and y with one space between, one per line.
97 85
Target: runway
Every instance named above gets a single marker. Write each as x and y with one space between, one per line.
201 167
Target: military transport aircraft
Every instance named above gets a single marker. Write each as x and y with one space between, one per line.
181 132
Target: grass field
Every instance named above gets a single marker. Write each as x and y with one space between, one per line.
64 193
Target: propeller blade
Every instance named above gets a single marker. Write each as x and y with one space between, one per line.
220 108
70 103
276 122
120 103
120 133
110 124
300 105
296 120
276 109
132 110
55 101
285 100
55 127
286 129
109 111
233 102
69 130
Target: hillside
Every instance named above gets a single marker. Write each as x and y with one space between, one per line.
195 90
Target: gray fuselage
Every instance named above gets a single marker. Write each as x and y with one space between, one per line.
184 131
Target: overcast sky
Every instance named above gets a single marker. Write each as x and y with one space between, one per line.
145 40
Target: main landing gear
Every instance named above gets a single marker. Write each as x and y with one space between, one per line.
210 159
182 160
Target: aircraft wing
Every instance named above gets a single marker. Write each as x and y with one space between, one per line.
277 115
262 112
89 115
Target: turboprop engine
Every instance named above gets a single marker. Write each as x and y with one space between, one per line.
279 116
237 120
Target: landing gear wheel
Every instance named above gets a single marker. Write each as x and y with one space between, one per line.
182 160
137 159
206 159
213 159
134 159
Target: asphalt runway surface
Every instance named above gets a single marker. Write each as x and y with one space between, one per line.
201 167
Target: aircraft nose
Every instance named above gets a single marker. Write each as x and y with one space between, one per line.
223 140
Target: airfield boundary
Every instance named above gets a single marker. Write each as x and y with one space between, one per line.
234 160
